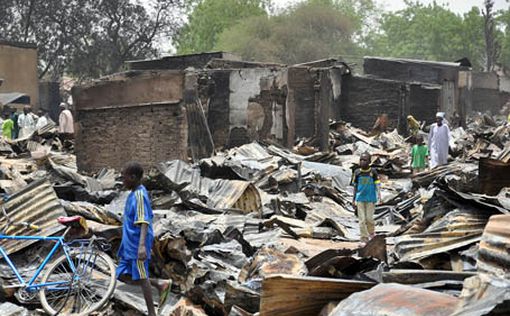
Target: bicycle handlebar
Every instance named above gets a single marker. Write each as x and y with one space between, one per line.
24 224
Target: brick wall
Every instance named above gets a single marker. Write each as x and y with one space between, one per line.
149 134
131 116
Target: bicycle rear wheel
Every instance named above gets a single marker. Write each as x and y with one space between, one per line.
85 290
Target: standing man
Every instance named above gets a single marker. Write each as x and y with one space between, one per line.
439 139
366 194
137 238
42 121
26 122
65 122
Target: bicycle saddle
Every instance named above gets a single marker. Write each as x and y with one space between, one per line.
70 220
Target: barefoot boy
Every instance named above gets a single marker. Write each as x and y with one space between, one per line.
137 237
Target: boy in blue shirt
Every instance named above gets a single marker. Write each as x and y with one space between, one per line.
366 194
137 237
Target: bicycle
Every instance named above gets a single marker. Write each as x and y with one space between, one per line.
78 282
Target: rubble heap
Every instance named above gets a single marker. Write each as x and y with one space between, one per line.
260 229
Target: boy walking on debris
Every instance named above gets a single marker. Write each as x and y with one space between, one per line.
366 194
137 237
419 155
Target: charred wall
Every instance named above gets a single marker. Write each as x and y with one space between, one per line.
300 103
197 61
408 70
423 102
487 100
363 99
486 95
243 105
49 98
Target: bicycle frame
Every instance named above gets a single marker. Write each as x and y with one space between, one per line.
30 286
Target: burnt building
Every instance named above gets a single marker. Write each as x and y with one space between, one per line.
146 116
487 95
453 79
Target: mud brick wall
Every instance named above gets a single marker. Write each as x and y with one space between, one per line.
364 99
148 134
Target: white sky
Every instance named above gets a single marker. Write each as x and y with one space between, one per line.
458 6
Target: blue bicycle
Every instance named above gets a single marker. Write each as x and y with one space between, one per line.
78 282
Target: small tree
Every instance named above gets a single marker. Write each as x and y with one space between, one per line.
492 47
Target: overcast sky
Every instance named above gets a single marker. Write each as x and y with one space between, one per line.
458 6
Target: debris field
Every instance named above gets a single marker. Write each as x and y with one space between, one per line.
264 230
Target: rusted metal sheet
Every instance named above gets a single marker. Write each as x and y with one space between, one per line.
284 295
455 230
396 300
484 294
220 193
36 204
493 175
493 255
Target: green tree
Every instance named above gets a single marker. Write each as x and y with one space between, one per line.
208 18
420 31
472 35
308 31
88 38
504 21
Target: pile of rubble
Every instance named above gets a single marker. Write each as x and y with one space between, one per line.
260 229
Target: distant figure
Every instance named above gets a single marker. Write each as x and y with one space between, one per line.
26 122
65 122
419 155
366 194
7 126
439 138
15 129
42 121
413 125
380 125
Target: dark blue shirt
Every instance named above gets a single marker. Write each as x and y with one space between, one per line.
138 210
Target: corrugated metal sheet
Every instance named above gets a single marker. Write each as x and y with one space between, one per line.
37 204
493 254
220 193
455 230
394 299
493 175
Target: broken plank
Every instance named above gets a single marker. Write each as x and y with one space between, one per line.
290 295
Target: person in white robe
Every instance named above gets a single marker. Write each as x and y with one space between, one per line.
42 121
439 139
26 122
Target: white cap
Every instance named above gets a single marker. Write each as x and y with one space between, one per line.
440 114
63 105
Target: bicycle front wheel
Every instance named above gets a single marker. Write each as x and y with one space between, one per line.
82 291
